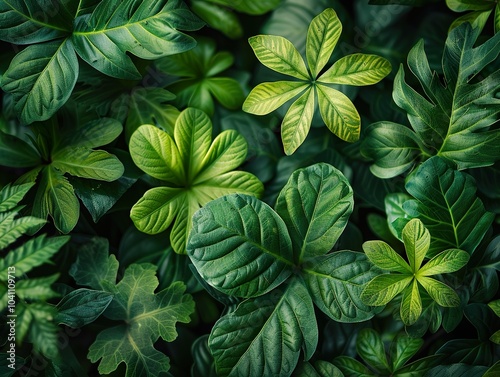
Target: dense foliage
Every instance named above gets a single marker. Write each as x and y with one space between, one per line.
250 188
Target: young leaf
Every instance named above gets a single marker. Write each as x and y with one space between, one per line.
240 246
195 170
81 307
382 289
446 203
337 110
245 333
335 281
416 239
445 262
316 225
383 256
411 304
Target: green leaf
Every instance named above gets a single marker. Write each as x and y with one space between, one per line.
219 18
88 163
148 32
279 54
240 246
322 37
397 218
148 316
383 256
402 349
371 349
26 22
464 5
227 91
268 96
382 289
41 78
253 8
320 368
16 153
31 254
37 289
93 267
411 304
447 261
297 121
357 69
93 134
245 332
11 195
198 170
352 367
455 120
440 292
11 228
55 196
495 306
416 239
338 113
81 307
154 152
326 199
336 281
446 202
393 147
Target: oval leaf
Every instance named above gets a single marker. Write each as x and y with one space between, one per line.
268 96
357 69
240 246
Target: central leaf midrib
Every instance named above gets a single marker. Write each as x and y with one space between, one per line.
105 30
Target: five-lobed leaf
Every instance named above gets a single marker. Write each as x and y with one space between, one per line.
195 170
337 110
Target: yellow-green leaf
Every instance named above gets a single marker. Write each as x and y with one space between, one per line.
268 96
411 304
417 239
382 289
357 69
440 292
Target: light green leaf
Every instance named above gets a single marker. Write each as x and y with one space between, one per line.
440 292
41 78
411 304
383 256
37 289
81 307
11 195
157 208
397 218
416 239
227 183
371 349
155 152
393 147
186 208
240 246
297 121
93 267
245 334
31 254
495 306
103 38
147 316
338 113
88 163
279 54
27 22
16 153
268 96
326 199
322 37
11 229
446 202
382 289
193 135
464 5
357 69
447 261
335 282
227 152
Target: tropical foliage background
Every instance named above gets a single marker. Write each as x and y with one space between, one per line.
250 188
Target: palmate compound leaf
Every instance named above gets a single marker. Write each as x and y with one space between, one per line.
336 109
264 335
195 170
146 315
409 276
453 121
